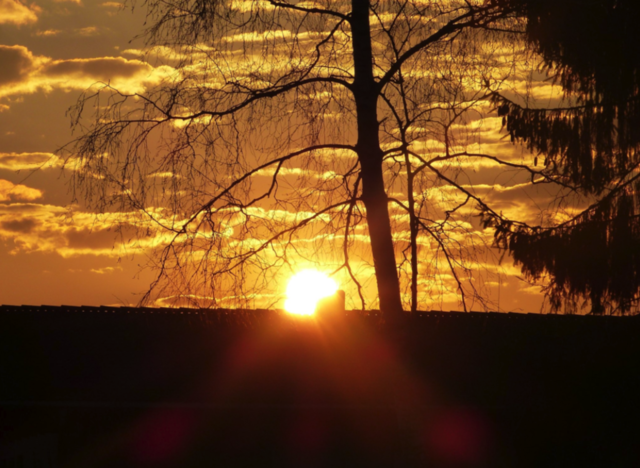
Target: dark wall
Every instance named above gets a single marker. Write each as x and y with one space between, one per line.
132 387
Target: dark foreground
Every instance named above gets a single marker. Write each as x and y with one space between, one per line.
91 387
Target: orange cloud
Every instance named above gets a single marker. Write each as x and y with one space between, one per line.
16 62
48 32
95 68
15 12
69 233
105 270
14 192
20 161
22 72
88 31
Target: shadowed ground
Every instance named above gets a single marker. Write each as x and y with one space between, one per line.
105 387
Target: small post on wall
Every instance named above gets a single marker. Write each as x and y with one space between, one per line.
332 306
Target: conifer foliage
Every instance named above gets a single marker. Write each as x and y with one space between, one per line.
591 145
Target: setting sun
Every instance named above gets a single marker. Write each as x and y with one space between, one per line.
305 289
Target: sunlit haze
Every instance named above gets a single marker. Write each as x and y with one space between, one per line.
305 289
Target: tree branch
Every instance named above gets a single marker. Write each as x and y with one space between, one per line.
321 11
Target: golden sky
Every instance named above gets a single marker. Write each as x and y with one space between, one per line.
56 250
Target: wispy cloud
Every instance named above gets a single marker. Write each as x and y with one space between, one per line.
88 31
68 231
105 270
20 161
48 32
17 192
15 12
23 72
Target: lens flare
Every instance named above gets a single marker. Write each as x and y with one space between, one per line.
305 289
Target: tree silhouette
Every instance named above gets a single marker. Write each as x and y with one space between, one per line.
288 132
591 144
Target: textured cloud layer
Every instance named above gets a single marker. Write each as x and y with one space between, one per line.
14 192
21 161
22 72
67 231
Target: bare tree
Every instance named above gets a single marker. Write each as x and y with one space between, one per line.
325 123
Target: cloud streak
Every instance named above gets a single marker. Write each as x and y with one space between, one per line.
17 192
22 72
15 12
21 161
63 230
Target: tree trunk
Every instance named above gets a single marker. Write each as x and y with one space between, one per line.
370 155
413 228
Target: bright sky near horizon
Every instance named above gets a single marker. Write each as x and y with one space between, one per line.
53 249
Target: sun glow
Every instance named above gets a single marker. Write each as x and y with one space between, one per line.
305 289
